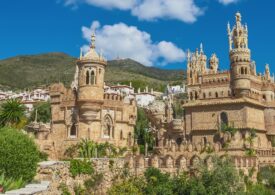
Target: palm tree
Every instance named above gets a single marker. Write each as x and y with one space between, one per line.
12 114
87 148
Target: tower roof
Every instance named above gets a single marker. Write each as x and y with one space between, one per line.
92 54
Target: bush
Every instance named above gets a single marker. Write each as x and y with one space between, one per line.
18 155
78 167
266 175
10 184
124 188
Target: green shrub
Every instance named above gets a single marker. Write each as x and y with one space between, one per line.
43 156
10 184
93 182
78 167
64 189
18 155
124 188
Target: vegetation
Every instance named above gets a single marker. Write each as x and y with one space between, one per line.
89 149
7 184
29 71
145 138
266 175
42 111
221 178
78 167
64 189
18 155
12 114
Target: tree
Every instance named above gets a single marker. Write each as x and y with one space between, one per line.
18 155
144 138
266 175
12 114
41 112
132 185
157 182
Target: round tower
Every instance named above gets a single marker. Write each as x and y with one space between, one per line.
239 55
90 82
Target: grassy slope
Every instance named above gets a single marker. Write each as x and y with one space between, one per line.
35 70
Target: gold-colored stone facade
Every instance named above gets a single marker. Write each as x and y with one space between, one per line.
86 111
238 98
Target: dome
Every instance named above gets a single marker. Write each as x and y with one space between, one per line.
92 54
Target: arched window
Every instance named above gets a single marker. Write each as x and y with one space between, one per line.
191 96
216 94
245 70
224 118
264 97
73 133
87 78
196 95
242 70
204 96
107 127
130 139
93 77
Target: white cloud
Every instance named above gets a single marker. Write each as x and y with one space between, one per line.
130 42
107 4
183 10
227 2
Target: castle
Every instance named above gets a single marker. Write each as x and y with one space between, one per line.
86 111
227 112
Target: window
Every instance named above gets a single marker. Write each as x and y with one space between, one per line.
216 94
73 131
224 118
93 77
196 95
121 135
87 78
179 141
107 127
204 96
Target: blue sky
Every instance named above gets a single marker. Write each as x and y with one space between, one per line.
156 35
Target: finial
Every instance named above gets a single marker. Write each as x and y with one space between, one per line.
238 17
93 41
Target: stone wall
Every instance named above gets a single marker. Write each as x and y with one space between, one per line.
112 169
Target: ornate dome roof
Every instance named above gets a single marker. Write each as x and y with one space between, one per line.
92 54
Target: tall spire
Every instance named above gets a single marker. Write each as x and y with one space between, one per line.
93 41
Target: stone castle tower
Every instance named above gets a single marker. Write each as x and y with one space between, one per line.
239 54
89 82
86 111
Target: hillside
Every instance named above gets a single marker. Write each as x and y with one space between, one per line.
35 70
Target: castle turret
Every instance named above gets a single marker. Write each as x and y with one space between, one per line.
239 57
90 81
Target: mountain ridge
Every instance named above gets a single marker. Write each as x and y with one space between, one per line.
29 71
